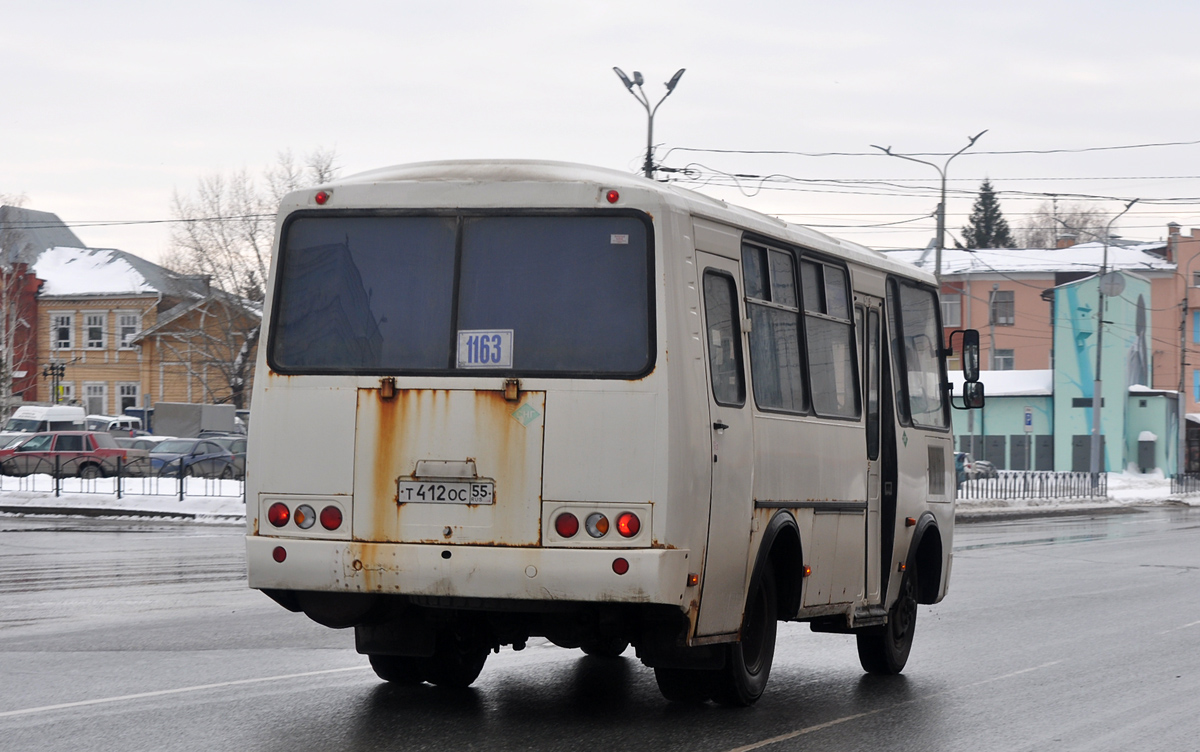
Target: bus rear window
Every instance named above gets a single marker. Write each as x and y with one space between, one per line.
519 295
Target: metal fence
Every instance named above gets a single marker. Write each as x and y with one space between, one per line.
119 480
1185 483
1036 484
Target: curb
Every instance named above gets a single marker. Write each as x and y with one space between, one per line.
969 516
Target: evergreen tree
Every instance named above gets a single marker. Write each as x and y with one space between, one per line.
987 227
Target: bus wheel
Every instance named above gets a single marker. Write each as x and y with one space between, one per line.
885 650
397 669
456 662
684 685
605 647
748 666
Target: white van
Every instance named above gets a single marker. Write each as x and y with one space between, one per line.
30 419
122 425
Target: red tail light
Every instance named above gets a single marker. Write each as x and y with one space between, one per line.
628 524
331 518
279 514
620 566
566 524
279 554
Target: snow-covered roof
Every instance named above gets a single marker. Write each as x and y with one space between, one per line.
1147 436
1084 257
1029 383
107 271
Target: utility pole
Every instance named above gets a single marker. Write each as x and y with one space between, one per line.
1097 397
640 96
941 208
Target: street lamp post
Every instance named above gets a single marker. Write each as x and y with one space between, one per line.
640 95
941 209
55 372
1097 398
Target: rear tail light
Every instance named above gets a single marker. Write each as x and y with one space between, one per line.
305 517
566 525
628 524
331 518
279 514
279 554
620 566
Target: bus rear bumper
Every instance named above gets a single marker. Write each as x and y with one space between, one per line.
653 575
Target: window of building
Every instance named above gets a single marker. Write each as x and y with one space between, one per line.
1003 308
774 308
127 394
1003 360
66 393
1195 279
951 309
61 329
95 398
94 325
129 324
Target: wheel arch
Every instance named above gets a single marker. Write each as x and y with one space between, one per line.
926 554
782 552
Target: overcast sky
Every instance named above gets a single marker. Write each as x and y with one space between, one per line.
110 107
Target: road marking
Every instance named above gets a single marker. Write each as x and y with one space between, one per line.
856 716
1176 629
180 690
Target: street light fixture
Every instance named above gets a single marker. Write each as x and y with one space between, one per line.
941 209
640 96
55 372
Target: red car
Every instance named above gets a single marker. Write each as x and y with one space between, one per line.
87 454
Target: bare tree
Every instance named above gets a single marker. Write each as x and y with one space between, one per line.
1050 221
17 347
223 231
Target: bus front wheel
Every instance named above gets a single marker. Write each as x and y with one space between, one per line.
884 650
748 666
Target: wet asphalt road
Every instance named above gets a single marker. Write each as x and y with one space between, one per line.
1064 634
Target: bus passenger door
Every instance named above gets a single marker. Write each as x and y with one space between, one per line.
868 318
731 505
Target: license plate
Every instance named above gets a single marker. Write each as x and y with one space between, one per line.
446 492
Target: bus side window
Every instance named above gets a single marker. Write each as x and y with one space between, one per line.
724 345
776 369
830 336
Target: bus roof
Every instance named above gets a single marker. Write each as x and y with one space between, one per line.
484 171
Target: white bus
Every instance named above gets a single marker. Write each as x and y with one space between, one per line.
500 400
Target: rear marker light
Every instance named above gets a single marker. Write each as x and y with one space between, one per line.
305 517
628 524
331 518
279 514
596 525
612 197
693 579
566 525
806 571
279 554
620 566
322 197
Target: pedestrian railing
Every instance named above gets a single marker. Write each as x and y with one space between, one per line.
1035 484
1185 483
43 475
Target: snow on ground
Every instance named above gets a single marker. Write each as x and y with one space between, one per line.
220 501
205 500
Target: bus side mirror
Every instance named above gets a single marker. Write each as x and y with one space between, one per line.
972 394
970 356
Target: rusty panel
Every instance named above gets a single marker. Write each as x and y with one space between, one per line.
502 438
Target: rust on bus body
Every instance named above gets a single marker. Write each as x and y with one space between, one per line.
503 438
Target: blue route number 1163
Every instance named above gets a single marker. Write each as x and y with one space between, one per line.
485 348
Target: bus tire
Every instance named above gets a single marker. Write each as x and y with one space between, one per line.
397 669
685 685
884 650
605 647
455 663
742 681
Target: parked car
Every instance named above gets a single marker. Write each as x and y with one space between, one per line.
985 469
198 457
237 445
118 425
141 442
87 454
